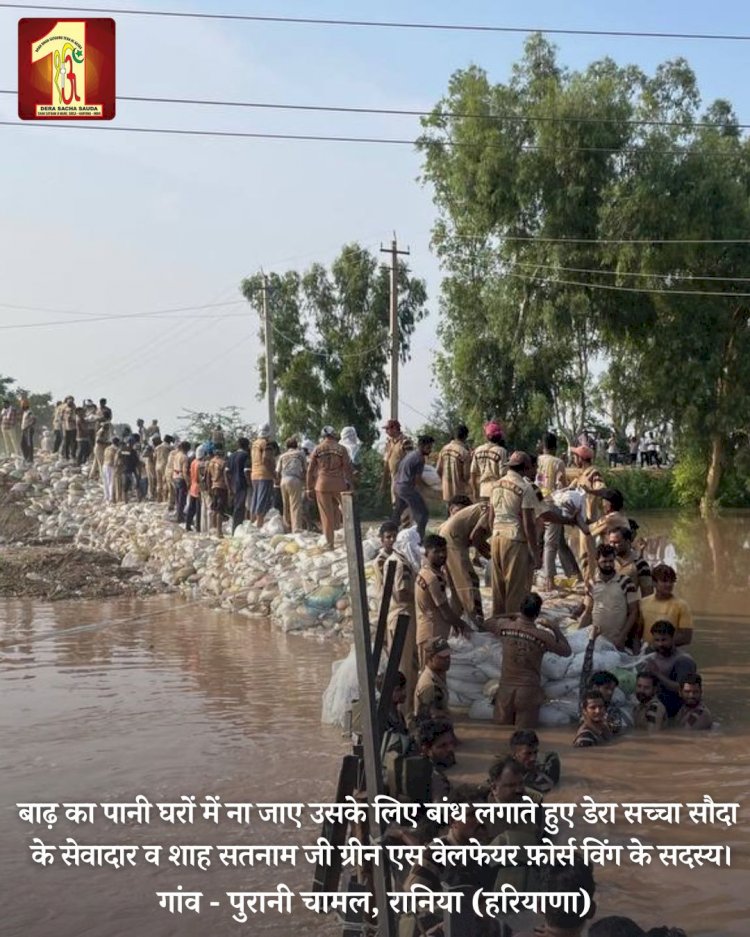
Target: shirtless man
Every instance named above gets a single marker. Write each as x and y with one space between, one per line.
525 643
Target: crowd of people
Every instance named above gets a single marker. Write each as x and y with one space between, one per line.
514 514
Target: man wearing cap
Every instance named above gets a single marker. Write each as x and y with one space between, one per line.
406 493
489 461
435 617
514 536
329 472
454 465
431 694
468 526
396 447
589 480
262 475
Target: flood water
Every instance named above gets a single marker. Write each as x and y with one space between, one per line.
105 700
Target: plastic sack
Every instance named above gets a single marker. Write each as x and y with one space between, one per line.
408 545
481 709
324 598
463 689
551 715
555 667
627 678
430 476
562 689
273 526
341 691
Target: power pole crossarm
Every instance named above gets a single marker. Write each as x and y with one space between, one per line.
394 331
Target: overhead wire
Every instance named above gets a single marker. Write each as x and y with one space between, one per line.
156 314
386 141
625 289
409 112
542 239
383 24
628 273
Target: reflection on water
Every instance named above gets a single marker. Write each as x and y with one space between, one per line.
170 699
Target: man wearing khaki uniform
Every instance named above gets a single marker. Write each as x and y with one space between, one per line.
488 462
290 471
435 617
402 603
161 454
454 465
328 474
396 447
514 538
468 526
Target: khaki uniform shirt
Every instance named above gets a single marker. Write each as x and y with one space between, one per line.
57 418
395 450
550 474
697 717
591 478
432 604
292 464
431 695
109 455
162 454
453 467
510 496
169 465
524 647
466 524
402 597
262 461
330 468
68 418
180 466
487 466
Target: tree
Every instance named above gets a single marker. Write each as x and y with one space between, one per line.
197 425
331 340
561 198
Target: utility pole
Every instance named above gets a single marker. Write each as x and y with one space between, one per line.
270 383
394 335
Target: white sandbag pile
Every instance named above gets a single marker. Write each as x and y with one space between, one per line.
290 578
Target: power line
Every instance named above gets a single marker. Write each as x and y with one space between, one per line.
165 313
384 24
625 289
628 273
398 141
408 112
577 240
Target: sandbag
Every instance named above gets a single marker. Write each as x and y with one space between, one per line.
561 689
341 691
470 691
550 715
555 667
481 708
324 598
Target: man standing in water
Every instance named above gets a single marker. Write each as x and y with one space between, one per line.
524 644
669 666
329 472
693 714
593 729
454 464
488 461
662 605
650 713
611 602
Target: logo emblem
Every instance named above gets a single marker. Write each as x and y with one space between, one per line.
66 69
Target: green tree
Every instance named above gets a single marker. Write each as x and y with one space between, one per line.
197 425
331 340
561 197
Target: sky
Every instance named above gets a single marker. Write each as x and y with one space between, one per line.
117 223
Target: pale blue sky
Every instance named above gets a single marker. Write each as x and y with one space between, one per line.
156 221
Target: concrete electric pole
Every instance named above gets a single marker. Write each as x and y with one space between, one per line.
394 332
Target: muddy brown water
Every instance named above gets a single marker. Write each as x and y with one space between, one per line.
179 700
